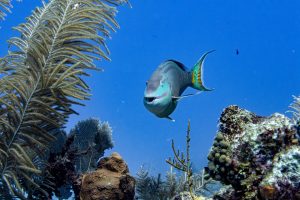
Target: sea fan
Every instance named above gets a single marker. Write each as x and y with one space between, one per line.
41 80
4 6
91 138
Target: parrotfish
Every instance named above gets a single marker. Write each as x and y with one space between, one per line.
165 87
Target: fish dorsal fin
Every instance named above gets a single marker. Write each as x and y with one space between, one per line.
179 64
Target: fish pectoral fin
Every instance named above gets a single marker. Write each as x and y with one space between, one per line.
186 95
173 120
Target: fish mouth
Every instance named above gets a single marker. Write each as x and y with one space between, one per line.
149 99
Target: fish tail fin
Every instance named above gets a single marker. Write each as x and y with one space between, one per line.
197 74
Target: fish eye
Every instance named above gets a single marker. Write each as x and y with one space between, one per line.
146 83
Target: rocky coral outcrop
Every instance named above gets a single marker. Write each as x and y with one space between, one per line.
258 156
183 196
111 181
188 196
284 178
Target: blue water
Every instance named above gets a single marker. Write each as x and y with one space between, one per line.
262 77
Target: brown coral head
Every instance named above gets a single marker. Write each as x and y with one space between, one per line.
114 163
267 192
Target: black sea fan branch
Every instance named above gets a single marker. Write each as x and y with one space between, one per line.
42 80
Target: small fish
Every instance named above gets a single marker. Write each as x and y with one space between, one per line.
168 82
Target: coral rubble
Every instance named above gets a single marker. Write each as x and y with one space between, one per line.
111 181
258 156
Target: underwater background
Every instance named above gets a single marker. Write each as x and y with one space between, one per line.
256 66
262 77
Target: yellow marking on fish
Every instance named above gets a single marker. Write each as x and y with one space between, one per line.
199 78
193 79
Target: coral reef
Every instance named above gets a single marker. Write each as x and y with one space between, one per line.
226 192
183 162
156 188
92 137
284 178
111 181
68 157
188 196
248 153
183 196
61 170
187 186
